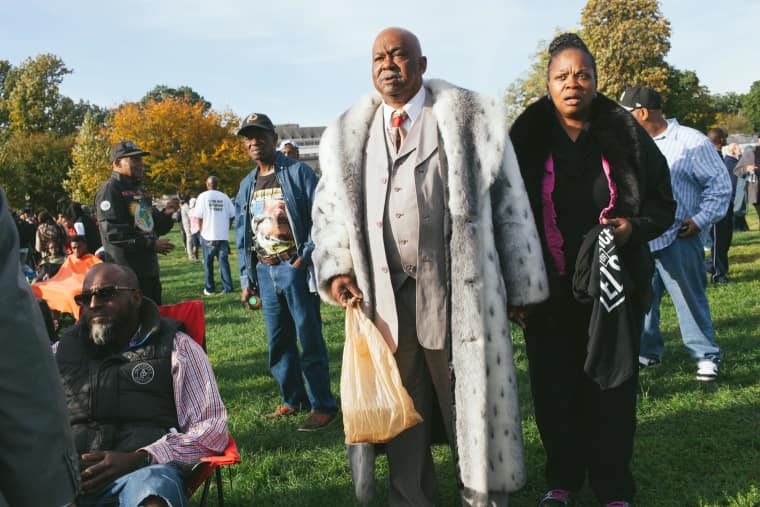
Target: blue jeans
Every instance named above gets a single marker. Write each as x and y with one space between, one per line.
680 269
219 249
164 481
290 312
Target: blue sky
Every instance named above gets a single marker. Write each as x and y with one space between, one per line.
306 61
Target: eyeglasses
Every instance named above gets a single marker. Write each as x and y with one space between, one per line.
102 293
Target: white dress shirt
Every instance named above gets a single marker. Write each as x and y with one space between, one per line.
413 110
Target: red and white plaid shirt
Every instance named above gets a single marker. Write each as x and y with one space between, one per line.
200 411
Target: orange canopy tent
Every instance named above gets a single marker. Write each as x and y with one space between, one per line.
60 290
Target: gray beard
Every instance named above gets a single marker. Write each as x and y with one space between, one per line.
101 334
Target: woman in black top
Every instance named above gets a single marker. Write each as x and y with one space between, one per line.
585 161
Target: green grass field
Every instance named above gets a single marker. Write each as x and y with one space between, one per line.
697 444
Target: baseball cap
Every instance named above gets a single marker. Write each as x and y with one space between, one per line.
290 142
637 97
126 149
255 120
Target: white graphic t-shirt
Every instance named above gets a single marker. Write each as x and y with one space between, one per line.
216 210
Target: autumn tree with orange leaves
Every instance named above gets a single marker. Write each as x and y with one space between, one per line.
187 143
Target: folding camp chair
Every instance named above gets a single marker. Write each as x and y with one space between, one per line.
190 313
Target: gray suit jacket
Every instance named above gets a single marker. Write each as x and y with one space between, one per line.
38 464
418 155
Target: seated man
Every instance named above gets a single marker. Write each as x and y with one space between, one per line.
60 290
142 399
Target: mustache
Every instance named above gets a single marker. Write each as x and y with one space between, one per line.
388 75
93 316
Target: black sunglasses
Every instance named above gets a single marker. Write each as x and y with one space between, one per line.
102 293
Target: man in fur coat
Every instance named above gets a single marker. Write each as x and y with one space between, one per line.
422 214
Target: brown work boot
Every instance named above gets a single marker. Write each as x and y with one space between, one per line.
280 411
316 421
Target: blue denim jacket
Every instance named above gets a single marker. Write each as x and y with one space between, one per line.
298 181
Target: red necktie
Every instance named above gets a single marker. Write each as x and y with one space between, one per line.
398 133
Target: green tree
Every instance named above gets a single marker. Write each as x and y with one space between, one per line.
37 129
186 93
31 101
751 106
629 39
733 123
5 68
32 167
727 103
31 95
91 166
688 101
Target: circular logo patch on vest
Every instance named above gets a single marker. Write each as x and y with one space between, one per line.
105 205
143 373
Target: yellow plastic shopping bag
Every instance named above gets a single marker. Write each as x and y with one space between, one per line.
375 404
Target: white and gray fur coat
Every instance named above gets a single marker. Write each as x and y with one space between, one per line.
494 259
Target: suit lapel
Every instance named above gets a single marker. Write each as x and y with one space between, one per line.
376 177
377 138
428 133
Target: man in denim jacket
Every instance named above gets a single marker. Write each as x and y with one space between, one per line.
273 236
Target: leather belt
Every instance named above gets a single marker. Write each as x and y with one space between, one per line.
278 258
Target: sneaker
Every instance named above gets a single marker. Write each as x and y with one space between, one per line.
619 503
208 293
707 370
647 362
281 411
556 498
316 421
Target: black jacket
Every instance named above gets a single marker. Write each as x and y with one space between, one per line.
124 401
129 224
637 167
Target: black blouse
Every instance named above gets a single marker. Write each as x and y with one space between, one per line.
580 192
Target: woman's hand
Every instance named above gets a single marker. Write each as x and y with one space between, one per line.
621 230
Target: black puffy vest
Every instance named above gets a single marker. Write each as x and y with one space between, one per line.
118 402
